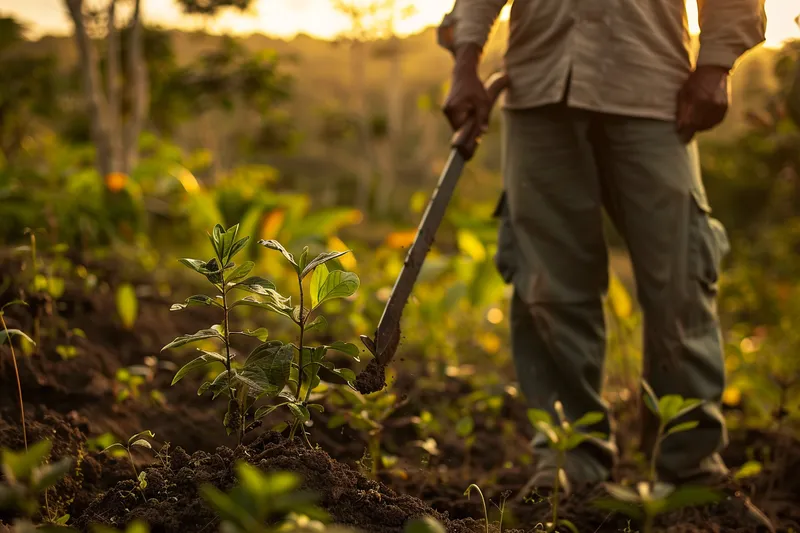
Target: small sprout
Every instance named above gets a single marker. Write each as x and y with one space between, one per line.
562 438
136 441
27 475
483 501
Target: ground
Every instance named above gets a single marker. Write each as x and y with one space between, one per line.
73 401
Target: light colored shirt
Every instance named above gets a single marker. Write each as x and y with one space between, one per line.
627 57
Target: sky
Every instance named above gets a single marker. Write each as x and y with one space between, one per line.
286 18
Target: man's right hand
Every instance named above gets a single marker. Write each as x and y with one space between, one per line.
468 99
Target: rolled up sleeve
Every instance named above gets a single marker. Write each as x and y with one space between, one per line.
473 20
728 29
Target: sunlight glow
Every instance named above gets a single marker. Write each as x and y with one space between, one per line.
287 18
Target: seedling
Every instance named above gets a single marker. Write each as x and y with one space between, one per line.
562 438
27 475
264 498
273 369
5 336
136 441
651 498
483 501
369 416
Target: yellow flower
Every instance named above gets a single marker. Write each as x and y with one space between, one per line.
732 396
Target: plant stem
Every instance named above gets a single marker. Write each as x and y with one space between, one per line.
135 474
557 487
19 383
655 453
483 501
227 338
648 523
302 325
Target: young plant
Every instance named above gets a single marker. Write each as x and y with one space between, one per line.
136 441
273 369
27 475
325 285
5 336
651 498
483 501
265 503
562 438
369 416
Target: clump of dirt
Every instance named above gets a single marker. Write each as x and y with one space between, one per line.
174 503
372 378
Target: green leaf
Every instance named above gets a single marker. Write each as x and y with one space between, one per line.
537 415
319 260
256 285
650 398
312 360
338 284
240 273
346 348
217 387
426 524
688 406
275 245
689 496
6 334
226 240
568 524
299 412
622 493
575 440
201 267
303 259
630 510
316 407
142 443
237 247
749 469
199 336
319 277
127 305
344 373
273 302
141 434
193 301
257 382
261 412
465 426
223 505
112 446
274 360
48 475
319 323
548 431
214 272
684 426
668 406
12 303
22 464
589 419
261 334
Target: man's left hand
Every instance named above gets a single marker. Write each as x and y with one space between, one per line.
702 101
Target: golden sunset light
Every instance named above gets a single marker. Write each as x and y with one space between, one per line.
286 18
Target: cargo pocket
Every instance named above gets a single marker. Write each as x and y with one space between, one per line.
708 246
505 258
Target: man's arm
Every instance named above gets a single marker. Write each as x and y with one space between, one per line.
473 21
464 32
728 29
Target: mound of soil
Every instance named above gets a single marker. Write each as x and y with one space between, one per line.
174 504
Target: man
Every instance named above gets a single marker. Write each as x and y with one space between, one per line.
601 112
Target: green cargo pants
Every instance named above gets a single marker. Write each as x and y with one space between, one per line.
562 166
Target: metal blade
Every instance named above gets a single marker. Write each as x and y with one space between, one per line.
426 232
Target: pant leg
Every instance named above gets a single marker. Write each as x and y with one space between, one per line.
552 249
655 195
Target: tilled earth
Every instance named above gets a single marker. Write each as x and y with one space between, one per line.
73 400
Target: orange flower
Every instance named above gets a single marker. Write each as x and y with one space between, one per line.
115 181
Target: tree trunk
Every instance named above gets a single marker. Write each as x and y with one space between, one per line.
140 95
114 116
95 100
358 59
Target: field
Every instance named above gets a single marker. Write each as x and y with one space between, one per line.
120 179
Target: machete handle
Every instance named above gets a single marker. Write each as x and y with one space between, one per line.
467 139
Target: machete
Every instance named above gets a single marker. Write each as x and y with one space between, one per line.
387 335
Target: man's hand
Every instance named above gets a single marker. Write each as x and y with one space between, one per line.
468 99
702 101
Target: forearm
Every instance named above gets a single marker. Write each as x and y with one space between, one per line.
728 29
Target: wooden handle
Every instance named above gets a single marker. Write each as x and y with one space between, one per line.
467 139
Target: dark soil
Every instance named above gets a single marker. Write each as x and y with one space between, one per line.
73 400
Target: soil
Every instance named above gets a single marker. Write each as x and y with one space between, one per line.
74 400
